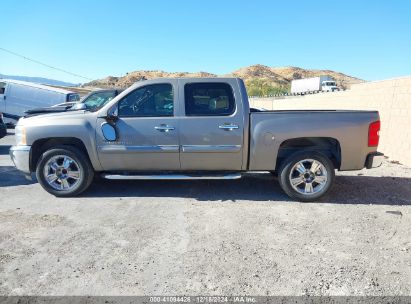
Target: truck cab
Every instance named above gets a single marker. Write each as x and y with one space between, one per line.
329 86
182 125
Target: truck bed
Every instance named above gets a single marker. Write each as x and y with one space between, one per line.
269 130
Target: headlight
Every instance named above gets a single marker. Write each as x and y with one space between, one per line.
20 135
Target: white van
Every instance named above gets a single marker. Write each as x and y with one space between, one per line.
17 96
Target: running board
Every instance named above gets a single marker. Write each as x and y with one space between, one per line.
171 176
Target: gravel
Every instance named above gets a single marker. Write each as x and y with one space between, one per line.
206 237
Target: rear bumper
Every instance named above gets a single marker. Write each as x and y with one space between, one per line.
20 155
374 160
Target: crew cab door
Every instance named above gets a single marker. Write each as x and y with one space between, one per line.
211 128
147 131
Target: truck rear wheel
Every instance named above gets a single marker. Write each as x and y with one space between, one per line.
306 176
64 171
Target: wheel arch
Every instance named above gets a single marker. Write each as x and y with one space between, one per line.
328 146
42 145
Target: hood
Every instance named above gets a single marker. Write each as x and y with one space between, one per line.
47 116
38 111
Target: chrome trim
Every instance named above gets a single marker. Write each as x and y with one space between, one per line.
164 128
20 148
126 149
62 173
210 148
308 176
171 177
228 127
20 155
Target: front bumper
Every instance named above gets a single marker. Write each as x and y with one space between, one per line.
374 160
20 155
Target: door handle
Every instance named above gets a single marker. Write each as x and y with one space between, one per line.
228 127
164 128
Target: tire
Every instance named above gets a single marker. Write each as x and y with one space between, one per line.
295 179
69 171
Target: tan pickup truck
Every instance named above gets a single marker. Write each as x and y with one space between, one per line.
194 128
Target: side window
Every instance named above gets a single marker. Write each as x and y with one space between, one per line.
2 88
148 101
73 97
209 99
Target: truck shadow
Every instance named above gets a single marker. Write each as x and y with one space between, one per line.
384 190
260 187
10 177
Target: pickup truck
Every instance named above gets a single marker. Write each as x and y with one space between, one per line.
194 128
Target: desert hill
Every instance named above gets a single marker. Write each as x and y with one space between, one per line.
259 79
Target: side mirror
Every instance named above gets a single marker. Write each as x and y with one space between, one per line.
112 114
109 132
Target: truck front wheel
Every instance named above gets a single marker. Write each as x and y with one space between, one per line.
64 171
306 176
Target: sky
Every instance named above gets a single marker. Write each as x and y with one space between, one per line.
366 39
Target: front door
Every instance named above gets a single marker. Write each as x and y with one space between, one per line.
147 131
211 132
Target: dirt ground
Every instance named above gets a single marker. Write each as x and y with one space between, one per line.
206 237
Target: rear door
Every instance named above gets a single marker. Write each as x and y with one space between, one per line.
211 128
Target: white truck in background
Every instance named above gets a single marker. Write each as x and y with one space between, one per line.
313 85
16 97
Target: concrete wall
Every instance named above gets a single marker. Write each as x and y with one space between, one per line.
392 98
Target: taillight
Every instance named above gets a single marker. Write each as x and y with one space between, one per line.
374 134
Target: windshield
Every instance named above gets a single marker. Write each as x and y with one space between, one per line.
97 100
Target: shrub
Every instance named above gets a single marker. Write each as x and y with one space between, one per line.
262 87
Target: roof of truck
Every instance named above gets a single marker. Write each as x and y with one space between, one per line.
106 90
39 86
191 78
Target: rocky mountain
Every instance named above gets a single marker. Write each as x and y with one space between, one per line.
282 76
132 77
260 79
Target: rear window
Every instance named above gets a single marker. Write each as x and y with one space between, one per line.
209 99
73 97
2 87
